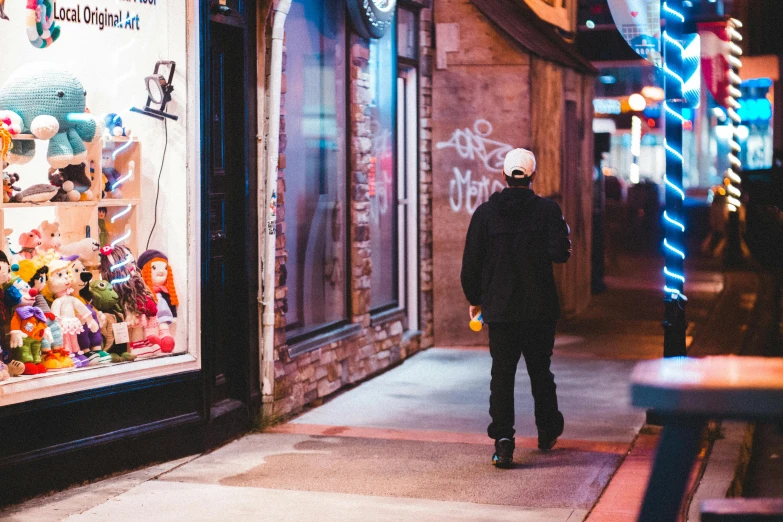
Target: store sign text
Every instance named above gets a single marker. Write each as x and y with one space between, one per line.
100 18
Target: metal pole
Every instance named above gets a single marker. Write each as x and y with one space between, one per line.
674 324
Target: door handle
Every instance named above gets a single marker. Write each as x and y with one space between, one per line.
217 236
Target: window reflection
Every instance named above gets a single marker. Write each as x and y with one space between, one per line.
315 172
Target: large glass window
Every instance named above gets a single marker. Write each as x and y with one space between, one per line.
95 250
383 172
315 174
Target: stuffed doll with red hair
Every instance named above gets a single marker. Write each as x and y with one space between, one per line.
156 272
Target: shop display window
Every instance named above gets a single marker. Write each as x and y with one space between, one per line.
98 194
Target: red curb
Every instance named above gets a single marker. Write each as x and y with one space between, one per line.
616 448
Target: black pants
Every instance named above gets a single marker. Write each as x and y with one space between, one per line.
507 342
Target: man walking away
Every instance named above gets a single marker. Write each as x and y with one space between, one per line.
512 241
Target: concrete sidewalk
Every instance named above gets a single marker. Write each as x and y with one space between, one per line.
411 443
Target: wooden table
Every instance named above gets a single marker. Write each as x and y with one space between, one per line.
687 392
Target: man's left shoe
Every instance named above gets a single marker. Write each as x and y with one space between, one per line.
504 453
548 437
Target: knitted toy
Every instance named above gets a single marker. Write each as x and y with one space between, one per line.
30 242
73 183
66 188
90 343
13 367
50 236
53 356
51 104
114 126
72 312
9 178
135 298
28 326
38 193
86 249
41 30
114 178
156 272
106 300
103 228
10 125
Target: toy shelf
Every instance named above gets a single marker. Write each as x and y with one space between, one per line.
52 204
122 139
114 166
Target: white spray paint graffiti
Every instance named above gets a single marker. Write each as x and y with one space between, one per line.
465 193
468 194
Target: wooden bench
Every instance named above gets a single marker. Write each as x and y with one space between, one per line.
687 392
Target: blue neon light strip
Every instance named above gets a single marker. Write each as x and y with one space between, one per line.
118 215
673 12
672 274
690 92
125 236
673 222
120 280
122 263
676 251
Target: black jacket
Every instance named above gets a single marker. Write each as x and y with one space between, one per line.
512 241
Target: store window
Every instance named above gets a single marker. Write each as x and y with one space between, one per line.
315 173
383 173
406 34
96 185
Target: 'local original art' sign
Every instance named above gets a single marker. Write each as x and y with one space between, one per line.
98 17
43 18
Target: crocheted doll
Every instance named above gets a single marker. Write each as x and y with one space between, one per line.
103 228
35 274
118 266
13 367
156 272
90 343
106 300
72 313
28 326
30 242
50 237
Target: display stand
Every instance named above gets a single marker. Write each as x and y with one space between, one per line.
80 219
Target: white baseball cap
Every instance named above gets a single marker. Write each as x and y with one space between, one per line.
519 159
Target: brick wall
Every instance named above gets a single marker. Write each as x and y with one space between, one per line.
378 343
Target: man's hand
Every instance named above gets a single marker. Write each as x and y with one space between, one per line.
474 311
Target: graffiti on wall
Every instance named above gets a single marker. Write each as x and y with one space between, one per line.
467 191
467 194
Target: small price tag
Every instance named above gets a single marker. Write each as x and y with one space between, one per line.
121 335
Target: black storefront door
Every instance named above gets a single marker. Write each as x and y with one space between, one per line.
227 299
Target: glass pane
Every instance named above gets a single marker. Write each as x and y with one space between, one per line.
406 34
315 213
94 174
383 174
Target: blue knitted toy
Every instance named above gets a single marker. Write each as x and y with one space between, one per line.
51 103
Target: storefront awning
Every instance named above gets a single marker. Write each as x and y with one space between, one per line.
520 23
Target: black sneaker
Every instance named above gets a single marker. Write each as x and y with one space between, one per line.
548 437
504 453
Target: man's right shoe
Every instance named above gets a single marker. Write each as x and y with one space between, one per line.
504 453
548 437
